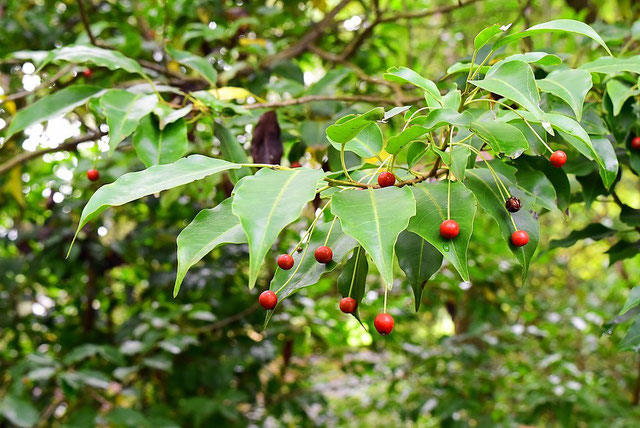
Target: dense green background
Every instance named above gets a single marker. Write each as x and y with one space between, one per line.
99 339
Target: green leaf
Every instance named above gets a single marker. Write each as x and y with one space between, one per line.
514 80
348 127
630 216
195 62
156 147
353 278
419 260
569 85
367 144
461 67
407 75
610 65
595 231
619 93
231 150
623 250
167 115
18 411
631 340
375 218
537 58
135 185
607 160
431 211
306 270
208 229
266 203
536 184
559 25
485 190
124 110
80 54
632 301
487 34
53 105
501 137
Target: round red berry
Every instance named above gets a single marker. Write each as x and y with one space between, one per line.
324 254
386 179
558 158
449 229
348 305
93 174
383 323
87 72
268 299
519 238
296 164
635 143
285 261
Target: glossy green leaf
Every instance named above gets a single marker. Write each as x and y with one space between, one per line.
81 54
487 34
442 117
501 137
124 110
156 147
208 229
633 300
485 190
419 260
537 58
306 270
536 185
431 211
397 142
195 62
595 231
607 160
569 85
631 340
19 411
619 92
231 150
266 203
610 65
558 25
461 67
352 280
514 80
407 75
53 105
167 115
135 185
348 127
375 218
367 144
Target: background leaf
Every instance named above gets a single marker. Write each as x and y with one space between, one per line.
156 147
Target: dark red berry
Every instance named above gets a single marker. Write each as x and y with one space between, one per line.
93 174
519 238
285 261
558 158
386 179
513 204
635 143
383 323
449 229
324 254
296 164
87 72
348 305
268 299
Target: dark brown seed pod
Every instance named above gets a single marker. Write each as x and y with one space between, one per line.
513 204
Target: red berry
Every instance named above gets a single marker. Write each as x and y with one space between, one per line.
386 179
383 323
635 143
296 164
449 229
348 305
324 254
519 238
285 261
558 158
87 72
93 174
268 299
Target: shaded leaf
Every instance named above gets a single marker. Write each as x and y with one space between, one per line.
348 127
124 110
197 63
569 85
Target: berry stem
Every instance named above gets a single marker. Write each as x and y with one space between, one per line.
333 222
448 195
501 186
384 306
377 170
310 229
344 165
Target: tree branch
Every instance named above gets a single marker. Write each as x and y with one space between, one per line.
68 146
347 98
64 70
425 13
85 22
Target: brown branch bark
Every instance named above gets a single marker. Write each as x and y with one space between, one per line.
68 146
85 22
425 13
346 98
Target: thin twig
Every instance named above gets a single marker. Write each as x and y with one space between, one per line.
347 98
85 22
